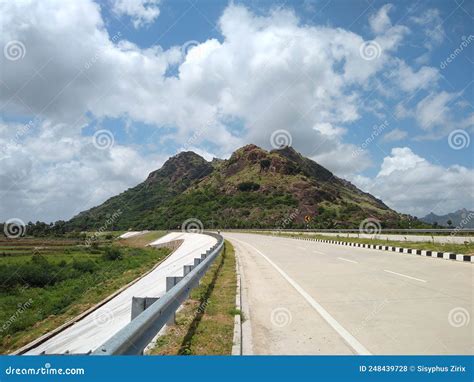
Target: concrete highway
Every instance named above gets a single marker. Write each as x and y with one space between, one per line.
304 297
93 330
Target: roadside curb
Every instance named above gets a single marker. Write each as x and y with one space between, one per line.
420 252
237 340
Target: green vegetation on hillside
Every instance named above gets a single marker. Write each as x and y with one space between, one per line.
254 188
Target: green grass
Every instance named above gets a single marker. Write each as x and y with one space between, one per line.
55 287
467 248
205 325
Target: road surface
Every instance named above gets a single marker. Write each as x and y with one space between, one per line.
315 298
93 330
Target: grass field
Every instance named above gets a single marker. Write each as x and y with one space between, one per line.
467 248
46 282
205 325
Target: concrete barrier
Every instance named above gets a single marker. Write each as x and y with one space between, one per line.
420 252
237 338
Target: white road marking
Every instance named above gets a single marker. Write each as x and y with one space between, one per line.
349 338
350 261
320 253
401 274
303 248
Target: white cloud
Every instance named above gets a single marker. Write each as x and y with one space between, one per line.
380 21
434 110
142 12
401 159
267 73
411 184
55 178
329 130
432 24
394 135
410 81
341 160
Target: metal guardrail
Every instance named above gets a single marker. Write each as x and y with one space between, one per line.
133 338
382 231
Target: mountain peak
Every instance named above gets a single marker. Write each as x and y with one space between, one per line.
187 165
253 188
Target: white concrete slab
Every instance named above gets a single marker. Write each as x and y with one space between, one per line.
130 234
94 329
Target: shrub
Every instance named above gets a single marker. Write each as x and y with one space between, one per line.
113 253
265 164
248 186
84 266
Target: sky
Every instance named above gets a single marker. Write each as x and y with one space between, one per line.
95 95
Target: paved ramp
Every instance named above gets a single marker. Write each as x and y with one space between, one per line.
93 330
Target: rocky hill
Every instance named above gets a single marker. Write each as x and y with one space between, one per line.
461 218
253 188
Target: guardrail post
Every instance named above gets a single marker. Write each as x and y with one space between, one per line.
170 283
136 335
139 304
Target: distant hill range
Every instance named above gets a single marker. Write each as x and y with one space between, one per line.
254 188
462 218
